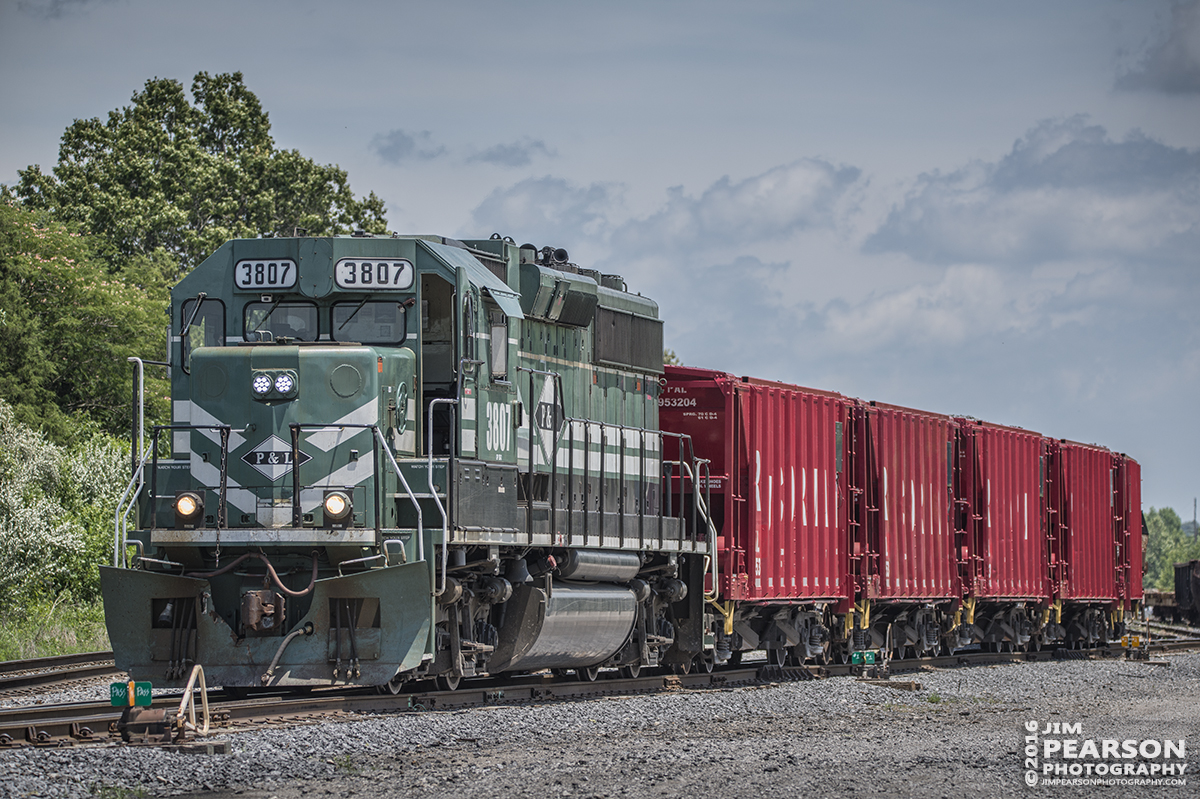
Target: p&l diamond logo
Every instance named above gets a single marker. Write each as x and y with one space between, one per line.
273 458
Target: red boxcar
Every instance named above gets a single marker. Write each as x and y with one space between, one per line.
776 451
1001 507
1129 525
1081 522
908 488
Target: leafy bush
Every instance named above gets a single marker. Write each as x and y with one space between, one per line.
56 511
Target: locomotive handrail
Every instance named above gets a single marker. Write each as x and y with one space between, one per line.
377 473
121 520
412 498
223 429
684 442
554 454
138 422
297 513
433 489
703 504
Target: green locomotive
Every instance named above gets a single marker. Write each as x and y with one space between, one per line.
406 457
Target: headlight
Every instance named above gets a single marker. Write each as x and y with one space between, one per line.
338 508
284 383
189 509
186 505
261 384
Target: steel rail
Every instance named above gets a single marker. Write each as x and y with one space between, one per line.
45 671
64 725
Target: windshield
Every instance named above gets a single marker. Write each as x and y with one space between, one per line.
376 322
267 321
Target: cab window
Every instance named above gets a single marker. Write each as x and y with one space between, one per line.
206 330
372 322
269 321
499 344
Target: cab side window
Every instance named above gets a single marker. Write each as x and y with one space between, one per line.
498 324
207 328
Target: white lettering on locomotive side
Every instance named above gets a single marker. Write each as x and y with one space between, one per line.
499 426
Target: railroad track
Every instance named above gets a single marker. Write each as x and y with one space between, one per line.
43 672
96 722
1159 627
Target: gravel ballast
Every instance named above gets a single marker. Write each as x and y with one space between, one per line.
960 735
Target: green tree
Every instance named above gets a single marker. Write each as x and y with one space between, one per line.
166 173
68 323
1167 545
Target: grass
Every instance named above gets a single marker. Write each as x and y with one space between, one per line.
50 628
344 764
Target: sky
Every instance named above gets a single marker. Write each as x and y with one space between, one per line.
983 209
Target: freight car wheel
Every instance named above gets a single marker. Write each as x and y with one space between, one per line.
777 656
631 671
448 681
704 662
588 674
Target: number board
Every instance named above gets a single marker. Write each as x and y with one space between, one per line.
265 275
375 274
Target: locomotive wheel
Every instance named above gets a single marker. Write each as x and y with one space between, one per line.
682 668
704 662
588 674
448 681
778 656
393 687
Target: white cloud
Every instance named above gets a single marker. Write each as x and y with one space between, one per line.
766 207
550 211
1065 190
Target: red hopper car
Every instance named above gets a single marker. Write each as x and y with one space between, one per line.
846 526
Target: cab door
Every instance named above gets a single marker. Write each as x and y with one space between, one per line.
466 362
